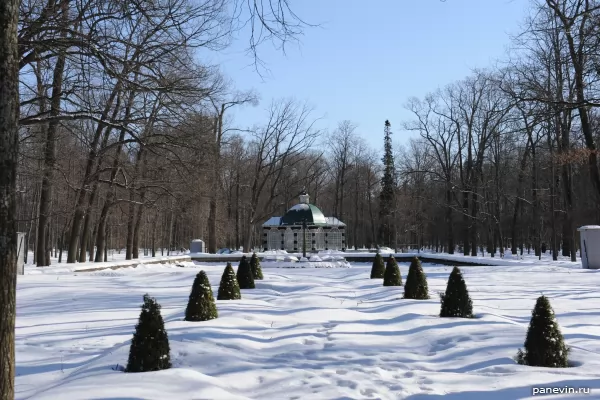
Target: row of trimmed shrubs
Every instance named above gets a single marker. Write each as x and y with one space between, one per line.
544 344
150 350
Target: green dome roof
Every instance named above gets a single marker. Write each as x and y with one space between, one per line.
299 212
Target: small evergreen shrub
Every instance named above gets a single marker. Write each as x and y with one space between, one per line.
544 344
244 275
416 282
201 304
378 268
391 276
456 301
149 349
229 289
256 269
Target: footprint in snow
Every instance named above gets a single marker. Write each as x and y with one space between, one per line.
425 381
368 392
441 345
347 383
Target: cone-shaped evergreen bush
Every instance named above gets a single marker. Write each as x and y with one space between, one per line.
149 349
416 282
391 276
244 275
456 301
229 289
378 268
256 269
544 344
201 305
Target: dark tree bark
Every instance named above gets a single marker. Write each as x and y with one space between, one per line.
212 213
9 119
138 225
87 224
466 223
90 162
42 258
154 237
474 214
449 219
130 223
520 178
110 197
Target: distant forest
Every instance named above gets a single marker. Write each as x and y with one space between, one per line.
126 141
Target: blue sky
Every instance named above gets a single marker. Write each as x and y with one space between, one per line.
369 57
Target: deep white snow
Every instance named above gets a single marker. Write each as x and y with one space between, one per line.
303 334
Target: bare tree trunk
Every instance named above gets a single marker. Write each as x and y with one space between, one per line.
212 208
110 197
34 209
101 235
90 162
138 223
218 139
105 233
474 214
212 212
248 232
237 211
536 205
154 237
356 208
43 258
520 179
466 223
449 220
48 243
87 223
171 224
92 242
9 120
568 245
130 221
62 241
371 215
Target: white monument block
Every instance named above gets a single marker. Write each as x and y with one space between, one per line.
590 246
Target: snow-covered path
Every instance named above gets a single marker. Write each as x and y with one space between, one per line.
302 334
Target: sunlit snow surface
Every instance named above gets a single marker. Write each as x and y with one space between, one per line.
302 334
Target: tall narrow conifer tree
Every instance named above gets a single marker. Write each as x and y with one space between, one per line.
387 197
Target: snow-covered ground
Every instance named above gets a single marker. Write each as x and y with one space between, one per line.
302 334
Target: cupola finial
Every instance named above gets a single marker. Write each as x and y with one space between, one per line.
304 198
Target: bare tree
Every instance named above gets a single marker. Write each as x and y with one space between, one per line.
220 107
342 143
9 118
278 145
579 22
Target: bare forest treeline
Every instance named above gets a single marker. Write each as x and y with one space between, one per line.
507 158
126 141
